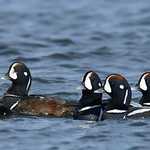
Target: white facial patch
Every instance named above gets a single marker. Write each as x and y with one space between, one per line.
143 85
12 73
107 87
87 82
121 86
25 73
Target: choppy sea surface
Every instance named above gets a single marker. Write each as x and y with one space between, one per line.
61 40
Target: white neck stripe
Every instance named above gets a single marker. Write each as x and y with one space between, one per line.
125 98
28 85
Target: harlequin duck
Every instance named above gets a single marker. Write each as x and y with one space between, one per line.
17 100
119 105
20 76
144 87
118 88
90 104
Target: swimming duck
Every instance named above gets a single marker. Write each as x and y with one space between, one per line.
17 100
90 104
20 77
118 88
144 87
120 106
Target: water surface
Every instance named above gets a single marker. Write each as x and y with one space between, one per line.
60 41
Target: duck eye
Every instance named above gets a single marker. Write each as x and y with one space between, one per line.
121 86
25 73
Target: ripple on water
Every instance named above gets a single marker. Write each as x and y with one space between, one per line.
95 138
62 41
69 66
10 52
34 45
65 56
100 36
27 59
103 51
138 124
138 148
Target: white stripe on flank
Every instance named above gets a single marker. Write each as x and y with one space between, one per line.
89 107
14 105
147 104
125 98
116 111
138 111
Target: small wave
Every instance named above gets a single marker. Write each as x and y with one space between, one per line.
69 66
9 52
40 80
138 124
25 59
138 148
45 81
65 56
34 44
3 46
98 137
104 50
63 41
140 134
100 36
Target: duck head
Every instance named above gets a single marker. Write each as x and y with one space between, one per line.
118 88
144 87
91 93
20 76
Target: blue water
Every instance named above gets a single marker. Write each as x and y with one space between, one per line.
61 40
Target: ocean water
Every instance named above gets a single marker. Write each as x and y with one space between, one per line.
61 40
